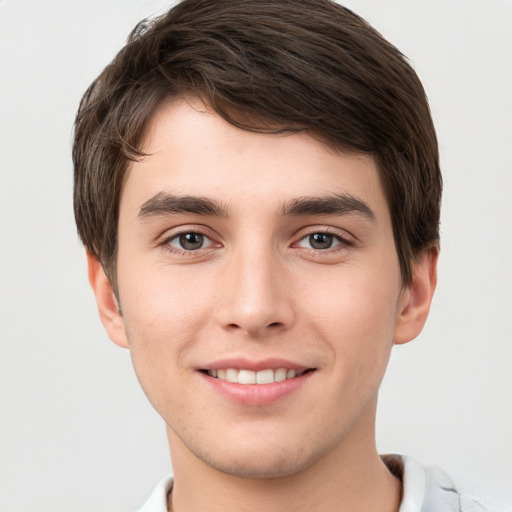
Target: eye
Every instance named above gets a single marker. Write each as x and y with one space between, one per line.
189 241
321 241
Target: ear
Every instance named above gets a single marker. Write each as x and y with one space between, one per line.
416 298
108 307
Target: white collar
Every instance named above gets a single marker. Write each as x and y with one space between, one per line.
425 489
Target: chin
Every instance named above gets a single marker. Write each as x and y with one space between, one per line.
258 469
258 461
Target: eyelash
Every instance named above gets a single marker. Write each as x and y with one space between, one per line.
166 242
343 242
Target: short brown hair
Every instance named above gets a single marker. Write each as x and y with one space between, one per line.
272 66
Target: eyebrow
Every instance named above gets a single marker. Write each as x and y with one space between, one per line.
168 204
336 204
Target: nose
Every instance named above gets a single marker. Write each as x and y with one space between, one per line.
256 297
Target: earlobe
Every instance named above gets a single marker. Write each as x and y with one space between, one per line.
416 298
108 307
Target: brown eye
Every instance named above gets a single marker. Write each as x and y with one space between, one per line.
320 240
191 241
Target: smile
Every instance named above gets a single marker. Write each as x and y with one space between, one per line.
256 383
243 376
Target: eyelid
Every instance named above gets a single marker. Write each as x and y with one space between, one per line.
176 238
170 234
337 242
346 238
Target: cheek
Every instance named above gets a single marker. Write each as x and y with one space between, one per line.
357 315
163 314
163 311
162 292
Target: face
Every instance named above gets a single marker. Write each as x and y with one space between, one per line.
260 291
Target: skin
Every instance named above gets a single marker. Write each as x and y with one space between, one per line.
258 289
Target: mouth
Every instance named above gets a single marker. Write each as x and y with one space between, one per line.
248 377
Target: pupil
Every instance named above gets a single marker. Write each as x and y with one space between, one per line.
191 241
320 241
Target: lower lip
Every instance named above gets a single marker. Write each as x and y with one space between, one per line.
257 394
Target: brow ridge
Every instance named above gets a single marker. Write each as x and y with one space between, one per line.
335 204
164 203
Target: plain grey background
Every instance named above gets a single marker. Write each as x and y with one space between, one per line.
76 433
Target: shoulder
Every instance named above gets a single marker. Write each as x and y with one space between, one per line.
430 489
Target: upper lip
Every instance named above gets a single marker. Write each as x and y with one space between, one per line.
256 366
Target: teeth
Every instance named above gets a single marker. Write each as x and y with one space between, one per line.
280 375
246 377
265 377
249 377
231 375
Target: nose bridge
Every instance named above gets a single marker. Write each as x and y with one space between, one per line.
255 297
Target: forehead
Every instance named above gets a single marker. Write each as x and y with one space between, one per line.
191 150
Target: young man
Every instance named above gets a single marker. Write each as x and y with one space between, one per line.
257 186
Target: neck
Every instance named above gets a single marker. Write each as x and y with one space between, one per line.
350 478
